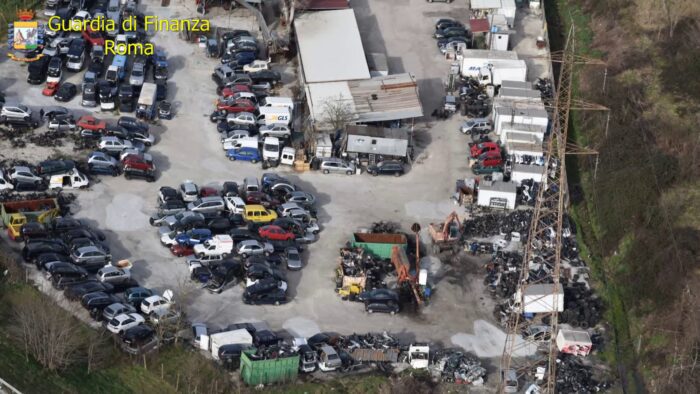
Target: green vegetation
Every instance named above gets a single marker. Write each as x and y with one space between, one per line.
638 218
8 11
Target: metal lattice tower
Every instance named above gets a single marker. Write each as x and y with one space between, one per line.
544 243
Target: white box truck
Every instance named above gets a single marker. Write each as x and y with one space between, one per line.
235 337
493 67
146 106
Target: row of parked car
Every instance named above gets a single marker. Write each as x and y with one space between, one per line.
239 232
105 82
51 174
76 260
253 125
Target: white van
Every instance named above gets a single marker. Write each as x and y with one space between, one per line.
68 180
246 142
271 149
288 156
235 204
274 115
271 101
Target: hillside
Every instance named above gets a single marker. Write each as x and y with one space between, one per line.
640 215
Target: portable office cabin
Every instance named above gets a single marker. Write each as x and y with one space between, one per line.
265 371
505 116
379 244
497 194
378 143
523 133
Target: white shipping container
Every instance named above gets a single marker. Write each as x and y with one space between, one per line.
234 337
522 172
497 195
543 298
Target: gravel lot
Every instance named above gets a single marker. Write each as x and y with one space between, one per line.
188 148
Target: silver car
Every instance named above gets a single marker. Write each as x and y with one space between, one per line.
138 72
90 255
116 309
25 175
207 205
293 259
337 166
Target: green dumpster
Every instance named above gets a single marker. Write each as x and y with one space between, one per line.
378 244
278 370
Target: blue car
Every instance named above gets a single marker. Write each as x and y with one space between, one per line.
248 154
193 237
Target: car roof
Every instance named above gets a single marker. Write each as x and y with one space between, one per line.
249 242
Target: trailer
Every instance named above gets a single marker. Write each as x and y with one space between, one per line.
256 371
378 244
493 67
541 298
146 106
375 355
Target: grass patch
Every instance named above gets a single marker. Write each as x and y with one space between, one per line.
355 384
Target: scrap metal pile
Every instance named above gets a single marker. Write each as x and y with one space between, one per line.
493 224
455 366
361 269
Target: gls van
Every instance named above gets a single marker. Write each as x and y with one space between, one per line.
274 115
285 102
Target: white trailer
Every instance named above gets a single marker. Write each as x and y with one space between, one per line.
146 106
522 133
576 342
524 149
541 298
497 194
521 115
235 337
523 172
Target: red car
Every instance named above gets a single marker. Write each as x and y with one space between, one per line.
138 162
261 199
50 89
182 250
87 122
93 37
231 90
275 233
476 150
207 191
240 105
490 159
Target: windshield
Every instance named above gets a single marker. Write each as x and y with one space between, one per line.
136 72
271 147
114 322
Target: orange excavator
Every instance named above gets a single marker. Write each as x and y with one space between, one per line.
447 235
403 271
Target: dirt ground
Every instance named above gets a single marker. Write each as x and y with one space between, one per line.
187 147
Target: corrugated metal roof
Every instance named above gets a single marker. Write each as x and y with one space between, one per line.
320 5
330 46
479 25
378 132
386 98
506 187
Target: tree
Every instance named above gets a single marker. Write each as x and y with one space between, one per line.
337 112
52 336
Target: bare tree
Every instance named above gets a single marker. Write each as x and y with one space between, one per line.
337 112
52 336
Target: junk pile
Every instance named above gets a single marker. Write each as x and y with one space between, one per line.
383 227
48 139
527 192
455 366
583 308
502 274
359 270
475 101
573 376
544 85
494 223
368 341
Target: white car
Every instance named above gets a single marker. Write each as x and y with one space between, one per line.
257 65
157 304
168 239
5 184
189 191
17 112
275 130
82 16
125 321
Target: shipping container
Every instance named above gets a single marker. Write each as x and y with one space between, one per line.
279 370
378 244
542 298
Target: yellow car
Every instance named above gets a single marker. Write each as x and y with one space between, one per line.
258 214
